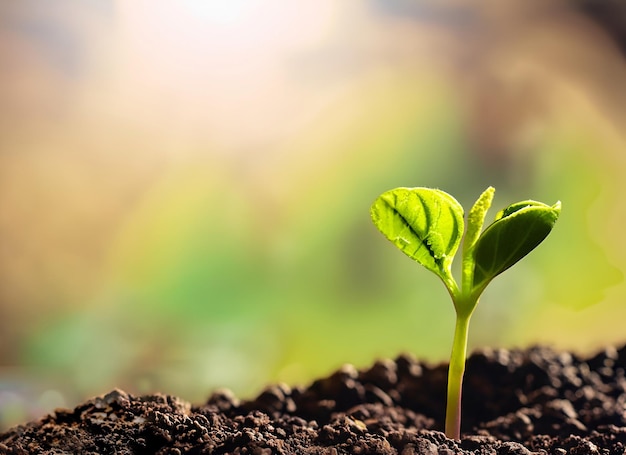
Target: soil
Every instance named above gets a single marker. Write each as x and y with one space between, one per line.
515 403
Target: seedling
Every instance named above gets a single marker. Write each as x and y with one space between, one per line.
427 225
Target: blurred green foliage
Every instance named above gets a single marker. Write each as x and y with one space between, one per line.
214 283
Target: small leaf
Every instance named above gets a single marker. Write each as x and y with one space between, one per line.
517 230
475 221
425 224
476 217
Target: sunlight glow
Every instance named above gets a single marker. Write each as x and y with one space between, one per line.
219 12
223 67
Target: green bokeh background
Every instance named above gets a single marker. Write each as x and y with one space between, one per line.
236 266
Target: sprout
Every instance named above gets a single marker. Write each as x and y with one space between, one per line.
428 225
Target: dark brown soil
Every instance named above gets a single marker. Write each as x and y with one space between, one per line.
516 402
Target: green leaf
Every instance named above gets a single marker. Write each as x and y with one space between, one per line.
425 224
516 231
476 217
475 221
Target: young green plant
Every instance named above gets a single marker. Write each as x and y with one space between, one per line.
428 226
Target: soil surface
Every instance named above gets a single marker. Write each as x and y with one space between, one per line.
515 403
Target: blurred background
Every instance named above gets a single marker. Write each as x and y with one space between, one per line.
185 186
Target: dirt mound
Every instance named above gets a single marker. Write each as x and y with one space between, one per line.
515 402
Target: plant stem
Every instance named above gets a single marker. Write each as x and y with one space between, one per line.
455 376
